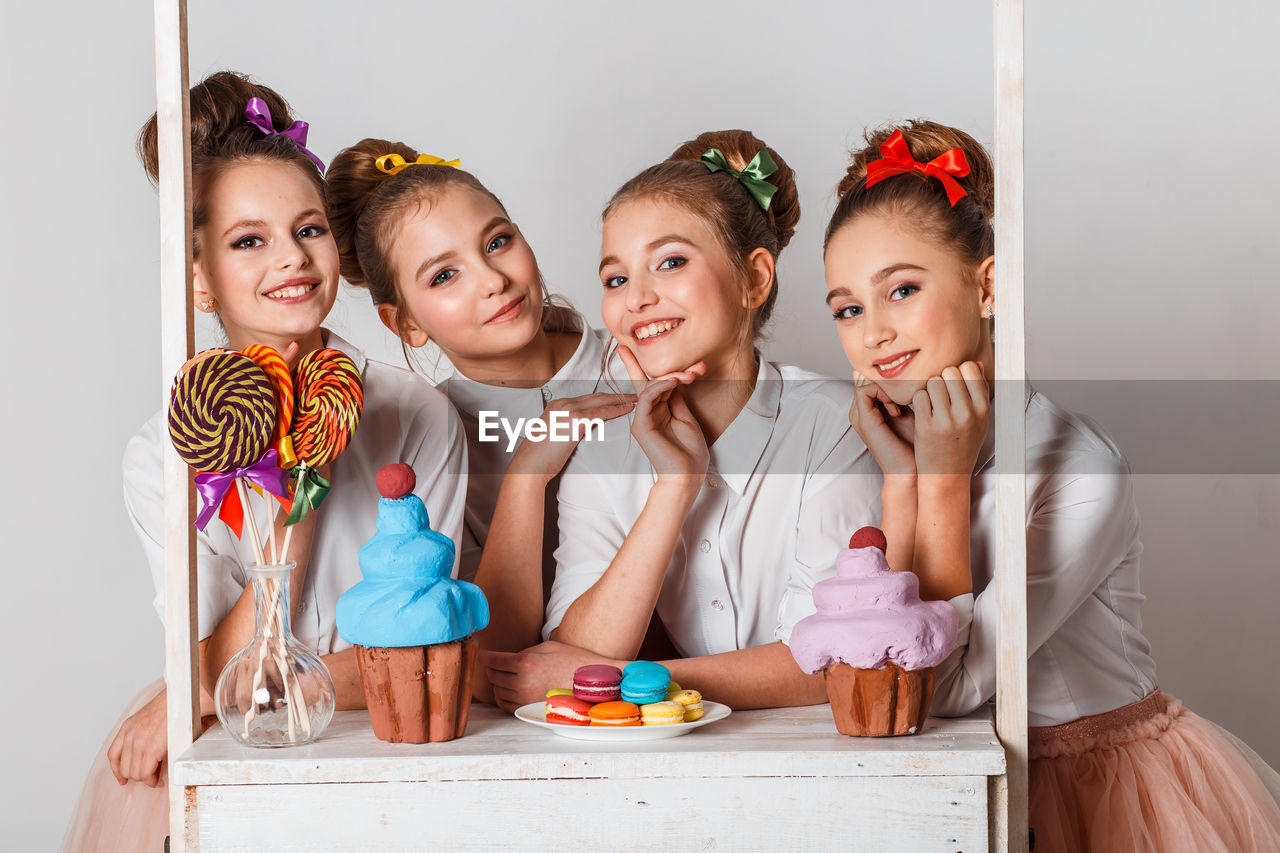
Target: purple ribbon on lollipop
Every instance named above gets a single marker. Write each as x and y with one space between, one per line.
266 472
259 115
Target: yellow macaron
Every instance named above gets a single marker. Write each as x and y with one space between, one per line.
662 713
691 702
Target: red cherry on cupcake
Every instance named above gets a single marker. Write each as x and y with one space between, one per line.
395 481
866 537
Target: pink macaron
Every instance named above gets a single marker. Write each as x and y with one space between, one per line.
597 683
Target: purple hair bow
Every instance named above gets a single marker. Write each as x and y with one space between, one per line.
259 115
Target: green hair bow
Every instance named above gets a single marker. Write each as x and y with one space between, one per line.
752 177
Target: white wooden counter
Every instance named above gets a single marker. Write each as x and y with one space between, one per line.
759 780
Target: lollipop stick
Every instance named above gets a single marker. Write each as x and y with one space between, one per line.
284 549
258 675
271 533
253 522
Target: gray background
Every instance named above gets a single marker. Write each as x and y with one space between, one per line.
1151 185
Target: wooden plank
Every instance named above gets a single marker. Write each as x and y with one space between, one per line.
1010 425
177 334
750 743
934 814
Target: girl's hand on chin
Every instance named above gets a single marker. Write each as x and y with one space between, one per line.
886 428
952 412
665 428
546 458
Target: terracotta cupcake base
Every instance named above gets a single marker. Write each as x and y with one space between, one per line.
418 694
879 702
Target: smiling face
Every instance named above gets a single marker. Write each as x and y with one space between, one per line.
465 278
266 256
905 306
670 294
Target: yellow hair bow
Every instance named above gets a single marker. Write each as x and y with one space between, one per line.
394 164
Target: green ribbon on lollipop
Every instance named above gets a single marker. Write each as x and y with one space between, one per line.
328 397
309 491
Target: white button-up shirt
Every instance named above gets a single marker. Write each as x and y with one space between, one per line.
1084 627
404 419
788 482
488 460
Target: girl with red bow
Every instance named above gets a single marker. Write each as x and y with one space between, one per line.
1115 763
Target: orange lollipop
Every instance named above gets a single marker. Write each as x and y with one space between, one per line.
282 384
328 397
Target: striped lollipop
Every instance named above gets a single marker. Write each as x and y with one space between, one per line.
282 384
329 394
222 412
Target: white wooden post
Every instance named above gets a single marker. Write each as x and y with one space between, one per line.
173 119
1010 432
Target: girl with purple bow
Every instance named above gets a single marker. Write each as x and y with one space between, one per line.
265 264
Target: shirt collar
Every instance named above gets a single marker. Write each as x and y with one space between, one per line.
737 451
333 340
471 396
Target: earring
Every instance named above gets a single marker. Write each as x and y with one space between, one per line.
207 305
991 313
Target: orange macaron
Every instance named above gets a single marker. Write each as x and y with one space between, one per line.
615 714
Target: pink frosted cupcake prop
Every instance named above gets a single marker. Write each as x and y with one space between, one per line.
876 642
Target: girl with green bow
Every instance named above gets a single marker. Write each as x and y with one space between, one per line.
719 502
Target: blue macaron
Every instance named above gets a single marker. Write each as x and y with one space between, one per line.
640 665
645 685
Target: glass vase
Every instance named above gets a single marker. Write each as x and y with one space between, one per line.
275 691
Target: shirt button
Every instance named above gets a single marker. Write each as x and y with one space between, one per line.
704 546
713 483
302 608
717 604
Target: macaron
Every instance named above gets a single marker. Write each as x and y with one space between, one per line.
559 691
646 685
661 714
568 711
673 689
615 714
691 701
638 665
597 683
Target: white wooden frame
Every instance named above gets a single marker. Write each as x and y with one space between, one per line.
1008 798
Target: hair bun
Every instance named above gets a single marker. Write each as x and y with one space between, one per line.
739 148
927 140
218 121
352 179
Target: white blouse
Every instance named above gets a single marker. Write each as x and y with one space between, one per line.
488 460
404 419
1084 628
789 481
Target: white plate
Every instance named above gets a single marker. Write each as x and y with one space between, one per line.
536 713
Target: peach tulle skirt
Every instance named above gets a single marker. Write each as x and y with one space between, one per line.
111 818
1150 777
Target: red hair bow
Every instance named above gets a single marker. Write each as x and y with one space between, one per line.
898 160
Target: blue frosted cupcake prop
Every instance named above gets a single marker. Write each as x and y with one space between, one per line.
411 623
